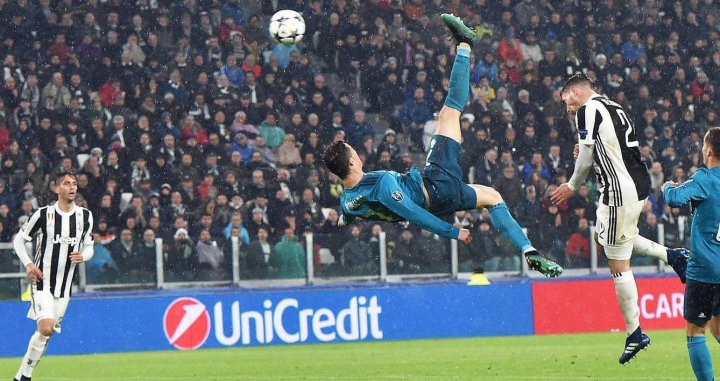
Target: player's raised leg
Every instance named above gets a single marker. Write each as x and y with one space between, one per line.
677 258
448 119
448 125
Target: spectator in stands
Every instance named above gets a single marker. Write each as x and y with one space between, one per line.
241 145
181 256
528 213
258 220
488 168
432 256
577 250
288 257
126 252
357 254
147 253
259 256
271 131
487 67
535 164
102 268
405 256
414 115
236 222
509 186
389 144
210 257
358 129
335 235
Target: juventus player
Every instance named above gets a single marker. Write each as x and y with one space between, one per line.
607 143
63 239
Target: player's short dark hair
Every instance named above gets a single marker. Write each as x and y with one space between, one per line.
575 80
60 175
337 158
712 138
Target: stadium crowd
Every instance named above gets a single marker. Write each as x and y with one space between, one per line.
213 131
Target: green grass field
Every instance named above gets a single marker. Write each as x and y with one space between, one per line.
562 357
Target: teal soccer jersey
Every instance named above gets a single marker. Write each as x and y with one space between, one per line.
391 196
701 191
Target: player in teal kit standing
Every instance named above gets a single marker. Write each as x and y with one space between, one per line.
702 292
419 198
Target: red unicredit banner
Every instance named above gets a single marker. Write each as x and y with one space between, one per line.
591 305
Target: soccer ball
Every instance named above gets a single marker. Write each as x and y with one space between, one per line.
287 27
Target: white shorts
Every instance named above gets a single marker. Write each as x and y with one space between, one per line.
617 227
46 306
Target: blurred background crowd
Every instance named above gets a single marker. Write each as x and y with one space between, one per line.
186 122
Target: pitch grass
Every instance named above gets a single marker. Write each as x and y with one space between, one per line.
561 357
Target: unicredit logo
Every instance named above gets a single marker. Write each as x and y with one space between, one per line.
186 323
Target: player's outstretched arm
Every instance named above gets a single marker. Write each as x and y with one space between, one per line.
680 194
391 195
583 165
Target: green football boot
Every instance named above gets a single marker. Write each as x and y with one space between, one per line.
543 265
459 30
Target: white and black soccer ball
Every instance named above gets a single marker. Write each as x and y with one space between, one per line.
287 27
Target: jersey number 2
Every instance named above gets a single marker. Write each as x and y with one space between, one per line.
630 130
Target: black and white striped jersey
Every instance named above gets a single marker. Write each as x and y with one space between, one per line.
58 234
623 176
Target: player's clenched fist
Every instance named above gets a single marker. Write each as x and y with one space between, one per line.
464 236
562 193
76 257
34 273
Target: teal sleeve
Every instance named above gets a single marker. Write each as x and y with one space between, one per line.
691 190
391 195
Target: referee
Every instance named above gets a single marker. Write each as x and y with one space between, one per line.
63 239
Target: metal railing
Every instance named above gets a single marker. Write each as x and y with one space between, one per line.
237 277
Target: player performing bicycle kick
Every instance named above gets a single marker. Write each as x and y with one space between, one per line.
420 198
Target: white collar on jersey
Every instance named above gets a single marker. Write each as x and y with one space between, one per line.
57 209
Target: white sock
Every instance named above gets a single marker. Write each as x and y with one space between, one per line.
648 248
464 45
627 296
35 350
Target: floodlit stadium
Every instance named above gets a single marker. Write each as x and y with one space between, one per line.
359 190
